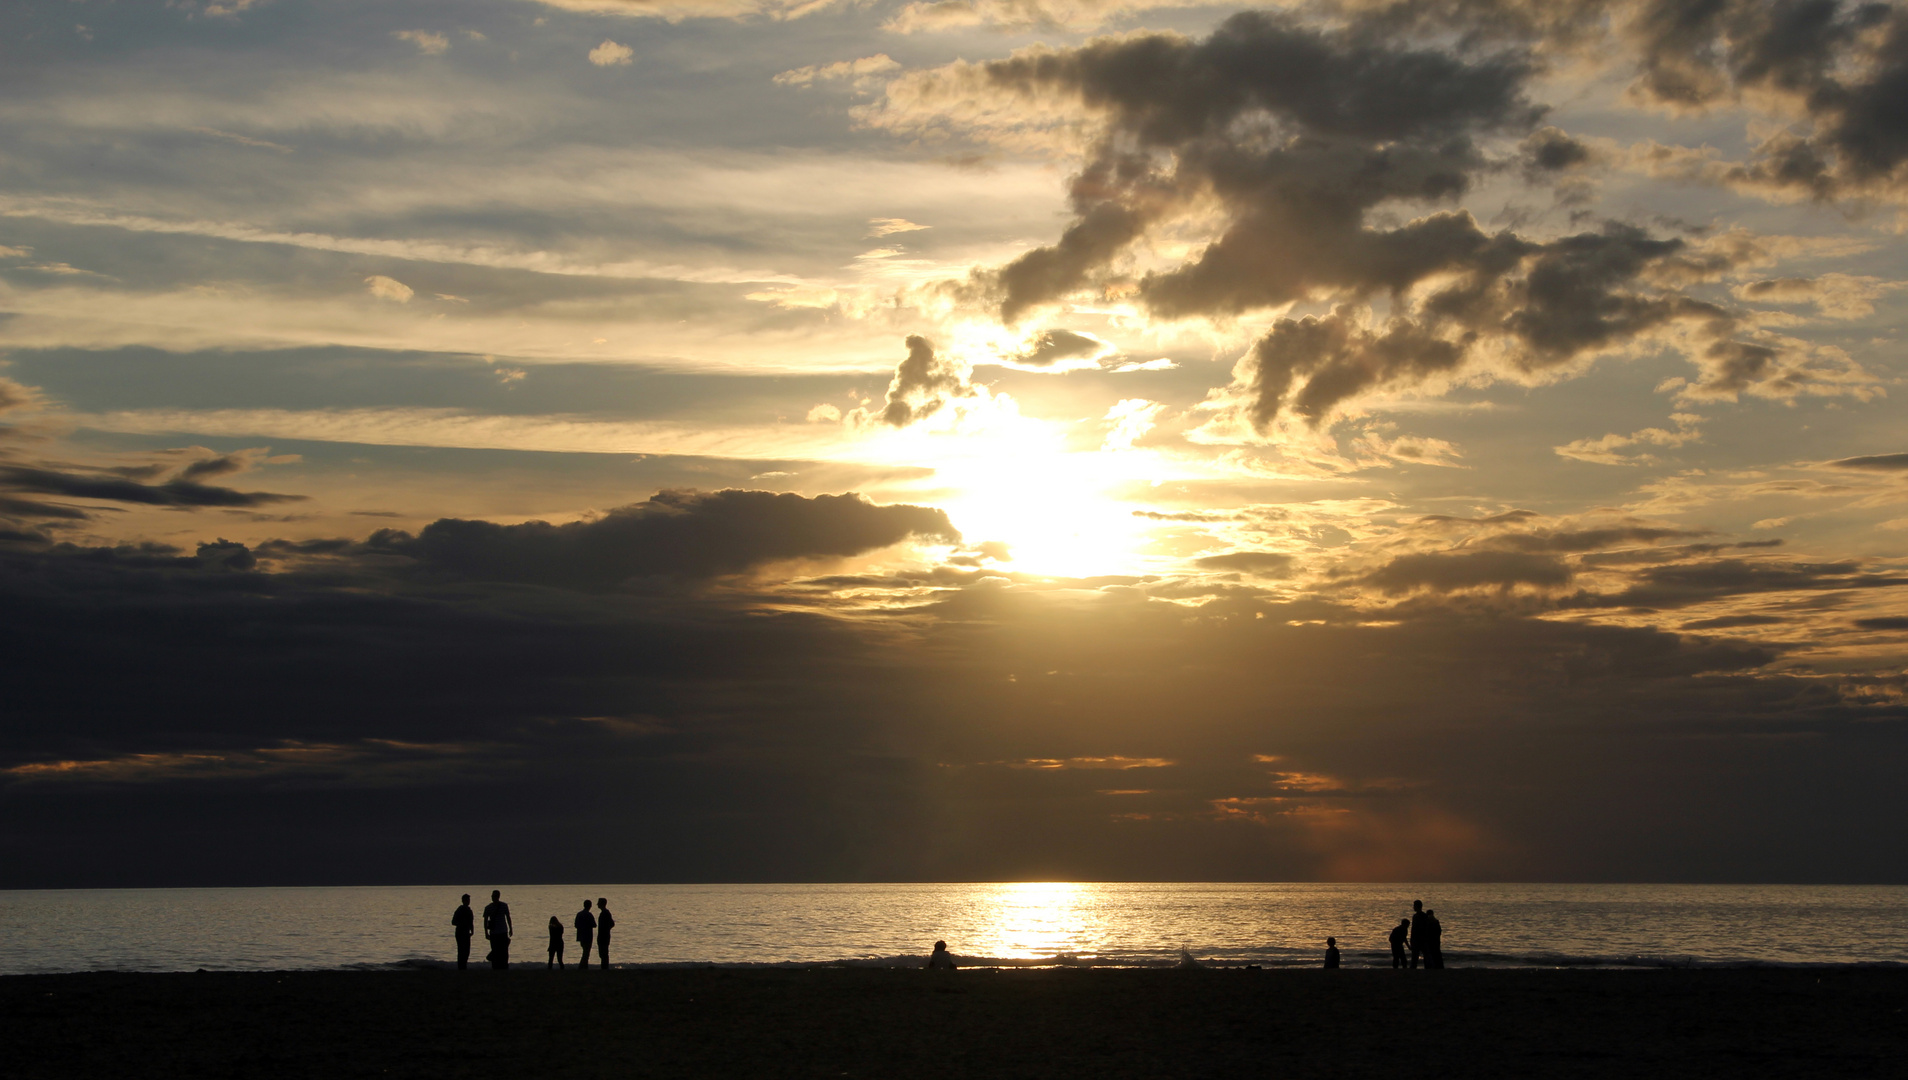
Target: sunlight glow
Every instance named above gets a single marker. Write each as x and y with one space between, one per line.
1039 920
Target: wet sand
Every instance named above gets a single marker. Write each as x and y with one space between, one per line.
833 1022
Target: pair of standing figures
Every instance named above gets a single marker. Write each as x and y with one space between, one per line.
498 929
598 926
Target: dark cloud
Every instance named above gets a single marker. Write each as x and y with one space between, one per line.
1731 622
1454 571
1843 65
176 493
1683 584
674 534
922 384
1268 564
1591 539
1052 346
222 464
351 720
1886 622
1299 135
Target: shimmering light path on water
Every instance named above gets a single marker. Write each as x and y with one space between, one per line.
1106 924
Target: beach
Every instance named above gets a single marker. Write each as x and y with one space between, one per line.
834 1022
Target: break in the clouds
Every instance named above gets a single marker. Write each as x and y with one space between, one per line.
1397 439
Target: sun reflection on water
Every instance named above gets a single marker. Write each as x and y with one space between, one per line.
1035 920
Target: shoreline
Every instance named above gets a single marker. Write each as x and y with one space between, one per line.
1046 1022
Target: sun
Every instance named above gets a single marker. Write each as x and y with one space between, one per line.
1016 480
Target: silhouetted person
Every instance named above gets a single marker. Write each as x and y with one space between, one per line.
556 944
462 921
497 930
1420 931
1331 952
940 959
1433 941
604 922
1398 935
585 933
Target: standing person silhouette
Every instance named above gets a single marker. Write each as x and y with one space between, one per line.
1398 935
1331 952
461 923
1420 931
604 921
585 930
1433 941
497 930
556 944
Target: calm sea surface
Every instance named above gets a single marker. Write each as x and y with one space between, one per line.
1100 924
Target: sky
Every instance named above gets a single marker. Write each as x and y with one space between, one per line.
842 440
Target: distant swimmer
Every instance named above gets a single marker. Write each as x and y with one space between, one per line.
462 921
556 944
1398 935
585 932
940 959
604 921
497 930
1331 952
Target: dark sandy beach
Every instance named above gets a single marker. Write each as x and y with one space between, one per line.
1032 1023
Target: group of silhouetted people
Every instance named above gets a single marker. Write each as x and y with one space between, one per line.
498 930
1422 936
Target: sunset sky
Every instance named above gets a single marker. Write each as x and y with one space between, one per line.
708 440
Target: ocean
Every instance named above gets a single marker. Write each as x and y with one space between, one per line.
1021 924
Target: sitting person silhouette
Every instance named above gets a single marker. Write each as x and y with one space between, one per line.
1398 935
556 944
1331 952
941 960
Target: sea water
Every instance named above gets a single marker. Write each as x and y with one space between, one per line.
1048 923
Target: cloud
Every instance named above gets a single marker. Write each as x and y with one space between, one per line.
1050 347
674 534
1344 121
181 493
888 226
611 54
1453 572
1267 564
13 395
863 73
1835 296
1874 463
1016 15
428 42
385 288
923 384
1604 450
